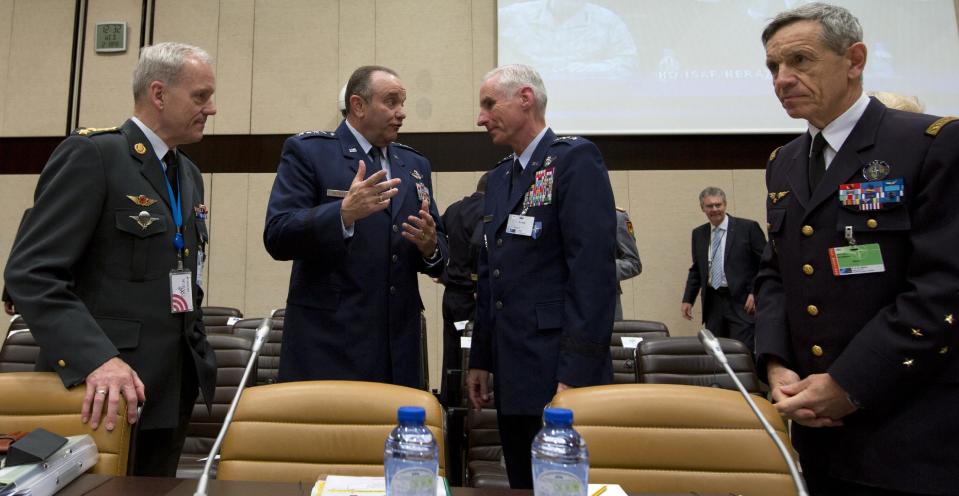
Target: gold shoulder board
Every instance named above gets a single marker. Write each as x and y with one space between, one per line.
90 131
934 128
772 156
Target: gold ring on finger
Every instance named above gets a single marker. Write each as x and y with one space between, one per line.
102 391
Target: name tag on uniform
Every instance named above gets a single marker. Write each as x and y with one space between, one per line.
336 193
858 259
521 225
181 291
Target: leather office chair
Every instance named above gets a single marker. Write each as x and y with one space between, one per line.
278 313
484 450
19 351
232 354
666 438
17 323
268 363
682 360
299 431
38 399
217 320
624 359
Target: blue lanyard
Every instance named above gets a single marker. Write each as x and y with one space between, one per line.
177 213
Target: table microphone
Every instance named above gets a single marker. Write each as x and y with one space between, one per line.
711 344
262 332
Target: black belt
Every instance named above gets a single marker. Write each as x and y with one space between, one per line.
722 291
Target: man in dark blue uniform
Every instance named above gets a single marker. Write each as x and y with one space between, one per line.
547 276
857 290
106 267
355 212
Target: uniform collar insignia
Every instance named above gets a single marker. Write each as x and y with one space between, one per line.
141 200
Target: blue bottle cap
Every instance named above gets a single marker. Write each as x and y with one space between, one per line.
411 414
561 416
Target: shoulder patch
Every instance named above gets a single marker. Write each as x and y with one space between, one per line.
772 156
408 147
935 127
623 210
90 131
318 134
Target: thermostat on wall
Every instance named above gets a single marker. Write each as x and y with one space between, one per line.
111 37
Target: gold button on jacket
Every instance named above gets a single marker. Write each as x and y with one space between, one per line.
807 230
812 310
807 269
872 224
817 350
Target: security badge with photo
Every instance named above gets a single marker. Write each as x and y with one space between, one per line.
876 193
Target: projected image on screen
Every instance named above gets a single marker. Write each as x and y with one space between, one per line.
697 66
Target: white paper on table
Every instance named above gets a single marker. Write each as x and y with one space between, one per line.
611 489
466 342
460 325
343 485
630 342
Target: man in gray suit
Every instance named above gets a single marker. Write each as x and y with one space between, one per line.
105 269
628 264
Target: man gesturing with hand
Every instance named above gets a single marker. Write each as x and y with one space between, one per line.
354 211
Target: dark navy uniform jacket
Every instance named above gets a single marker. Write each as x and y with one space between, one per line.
93 283
890 339
353 308
545 304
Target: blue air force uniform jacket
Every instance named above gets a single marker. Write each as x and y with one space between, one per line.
890 339
545 302
92 277
353 308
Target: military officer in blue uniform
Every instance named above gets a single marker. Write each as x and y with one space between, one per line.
547 276
354 210
106 267
857 296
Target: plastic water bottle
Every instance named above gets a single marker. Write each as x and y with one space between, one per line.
411 456
560 459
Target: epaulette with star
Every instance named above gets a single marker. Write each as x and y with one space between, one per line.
505 159
317 134
407 147
91 131
565 139
935 127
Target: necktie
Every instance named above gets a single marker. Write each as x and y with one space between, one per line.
716 264
515 176
172 166
375 164
817 162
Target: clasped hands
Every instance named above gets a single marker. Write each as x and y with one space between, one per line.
372 194
816 401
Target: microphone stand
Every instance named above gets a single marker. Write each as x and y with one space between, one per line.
711 344
262 332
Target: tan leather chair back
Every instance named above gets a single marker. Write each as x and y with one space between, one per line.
38 399
301 431
664 438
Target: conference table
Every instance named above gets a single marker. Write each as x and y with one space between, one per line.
108 485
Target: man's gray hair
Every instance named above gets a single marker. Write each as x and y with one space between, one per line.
840 29
162 62
512 77
712 191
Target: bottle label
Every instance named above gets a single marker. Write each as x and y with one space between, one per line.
558 483
413 481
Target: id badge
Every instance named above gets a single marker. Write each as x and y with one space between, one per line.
521 225
200 263
857 259
181 291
